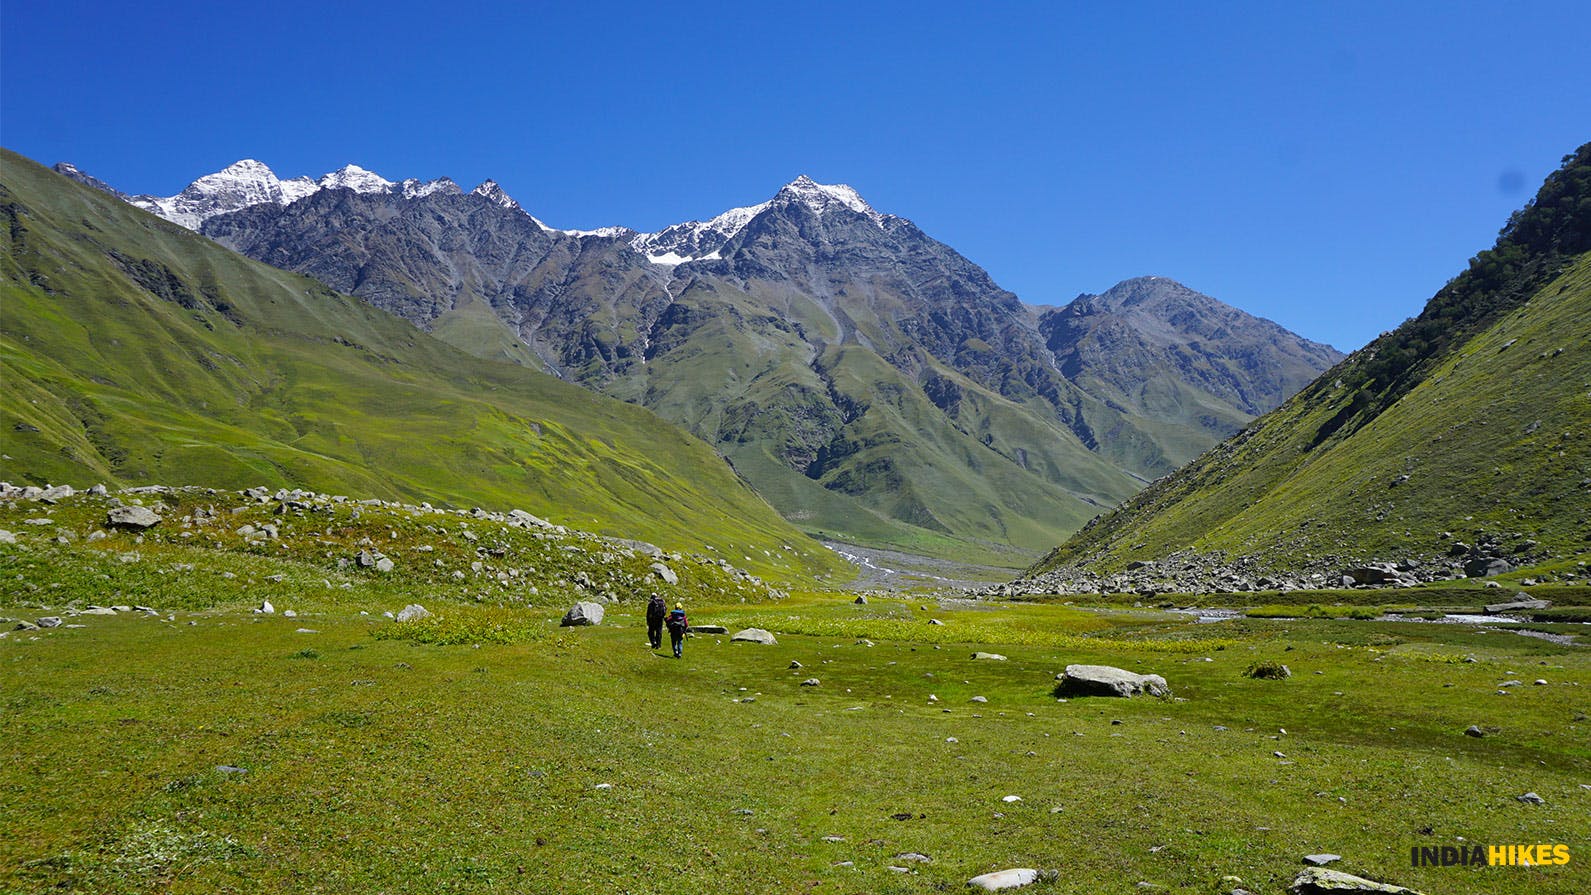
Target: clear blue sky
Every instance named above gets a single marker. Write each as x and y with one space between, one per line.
1328 166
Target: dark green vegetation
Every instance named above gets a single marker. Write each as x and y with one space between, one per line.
874 385
1473 419
207 749
133 351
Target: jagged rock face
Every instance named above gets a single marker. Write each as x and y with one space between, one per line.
1144 339
847 363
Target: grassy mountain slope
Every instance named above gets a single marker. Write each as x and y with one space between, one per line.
134 351
1473 418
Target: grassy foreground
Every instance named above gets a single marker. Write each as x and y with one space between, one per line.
208 749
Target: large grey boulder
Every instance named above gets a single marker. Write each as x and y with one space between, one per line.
1106 680
753 635
134 517
1324 881
665 573
1520 603
582 614
1486 567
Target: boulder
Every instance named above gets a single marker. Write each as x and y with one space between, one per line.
1520 603
415 612
525 518
1486 567
1324 881
582 614
1105 680
1004 879
709 629
861 600
1374 573
753 635
665 573
133 517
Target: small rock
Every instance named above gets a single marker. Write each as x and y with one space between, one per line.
811 682
979 699
991 657
1474 731
1321 860
914 857
1325 881
231 769
132 517
795 664
1531 798
50 621
861 600
1009 799
265 608
583 614
1004 879
288 613
412 612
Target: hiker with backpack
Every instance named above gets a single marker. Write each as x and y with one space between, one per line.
677 626
656 609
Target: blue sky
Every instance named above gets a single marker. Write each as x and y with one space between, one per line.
1328 166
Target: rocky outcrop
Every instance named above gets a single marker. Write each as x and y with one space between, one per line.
582 614
1106 680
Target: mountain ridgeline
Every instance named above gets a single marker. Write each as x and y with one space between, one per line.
870 382
1462 435
135 352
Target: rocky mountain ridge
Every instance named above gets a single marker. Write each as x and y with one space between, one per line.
872 383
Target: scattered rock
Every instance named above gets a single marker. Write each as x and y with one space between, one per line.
383 564
1321 860
861 600
582 614
415 612
914 857
1474 731
265 608
231 769
1486 567
753 635
134 517
1105 680
992 657
665 573
1324 881
979 699
49 621
1004 879
1531 798
811 682
7 537
795 664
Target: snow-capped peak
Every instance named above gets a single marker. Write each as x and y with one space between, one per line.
353 177
821 197
490 190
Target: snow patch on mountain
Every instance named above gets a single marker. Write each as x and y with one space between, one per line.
702 240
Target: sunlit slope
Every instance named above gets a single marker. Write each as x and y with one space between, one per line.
134 351
1473 418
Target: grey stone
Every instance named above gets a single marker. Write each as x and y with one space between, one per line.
383 564
795 664
527 519
811 682
709 629
992 657
1106 680
1325 881
861 600
1520 603
1004 879
583 614
56 494
1474 731
7 537
50 621
133 517
1321 860
1486 567
665 573
1528 798
265 608
412 612
753 635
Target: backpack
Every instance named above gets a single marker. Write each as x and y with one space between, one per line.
656 609
676 621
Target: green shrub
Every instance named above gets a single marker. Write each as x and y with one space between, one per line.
1268 671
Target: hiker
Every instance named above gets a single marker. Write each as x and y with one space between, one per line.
677 626
655 610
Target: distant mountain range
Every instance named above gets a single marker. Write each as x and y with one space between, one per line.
1458 444
870 382
134 352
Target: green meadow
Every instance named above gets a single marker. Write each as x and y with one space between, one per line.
208 748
